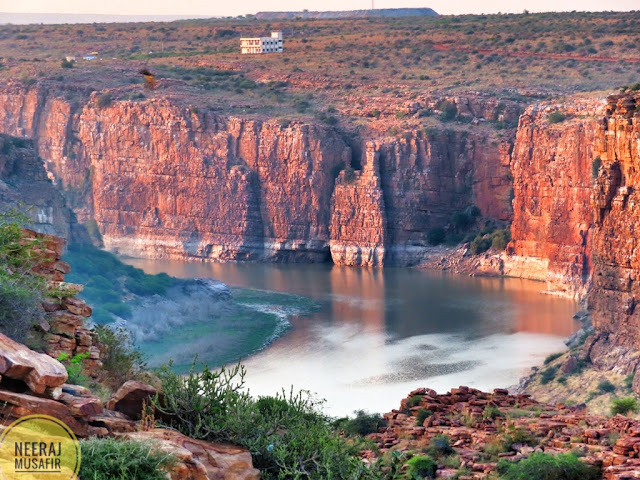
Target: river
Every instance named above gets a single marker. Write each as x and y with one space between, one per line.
378 334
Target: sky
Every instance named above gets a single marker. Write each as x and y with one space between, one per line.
241 7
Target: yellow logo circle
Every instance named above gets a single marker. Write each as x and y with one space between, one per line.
35 447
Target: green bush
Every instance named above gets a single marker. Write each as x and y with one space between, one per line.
415 400
500 239
287 437
448 109
363 423
21 292
422 415
421 466
493 412
543 466
440 446
461 220
436 236
623 406
552 357
480 244
104 100
111 459
66 63
547 375
556 117
518 436
73 365
120 360
595 166
605 386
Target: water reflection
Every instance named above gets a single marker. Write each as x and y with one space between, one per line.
380 333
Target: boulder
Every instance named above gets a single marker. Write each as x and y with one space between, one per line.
40 372
200 460
129 398
17 405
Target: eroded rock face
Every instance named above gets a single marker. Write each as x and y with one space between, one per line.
616 204
24 183
164 180
552 215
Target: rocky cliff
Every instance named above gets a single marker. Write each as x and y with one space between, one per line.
616 204
24 185
552 216
162 179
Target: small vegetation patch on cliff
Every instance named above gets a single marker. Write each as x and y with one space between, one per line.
556 117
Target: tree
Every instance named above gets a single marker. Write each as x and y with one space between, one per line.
21 291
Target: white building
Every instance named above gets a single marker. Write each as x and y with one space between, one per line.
262 44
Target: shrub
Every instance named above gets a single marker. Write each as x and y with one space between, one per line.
349 174
73 365
491 411
623 406
500 239
544 466
422 415
605 386
66 63
120 360
595 166
436 236
440 446
480 244
547 375
449 111
364 423
21 292
552 357
104 100
628 380
286 435
461 220
556 117
414 401
111 459
421 466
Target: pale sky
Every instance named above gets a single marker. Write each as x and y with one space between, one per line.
240 7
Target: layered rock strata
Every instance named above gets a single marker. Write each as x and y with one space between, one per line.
615 293
165 180
552 215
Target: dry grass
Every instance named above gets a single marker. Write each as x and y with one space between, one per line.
341 68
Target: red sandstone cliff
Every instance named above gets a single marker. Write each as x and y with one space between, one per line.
552 216
165 180
616 203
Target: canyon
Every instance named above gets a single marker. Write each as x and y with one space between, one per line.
162 179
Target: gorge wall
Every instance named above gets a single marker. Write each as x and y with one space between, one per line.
165 180
553 218
24 185
616 245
